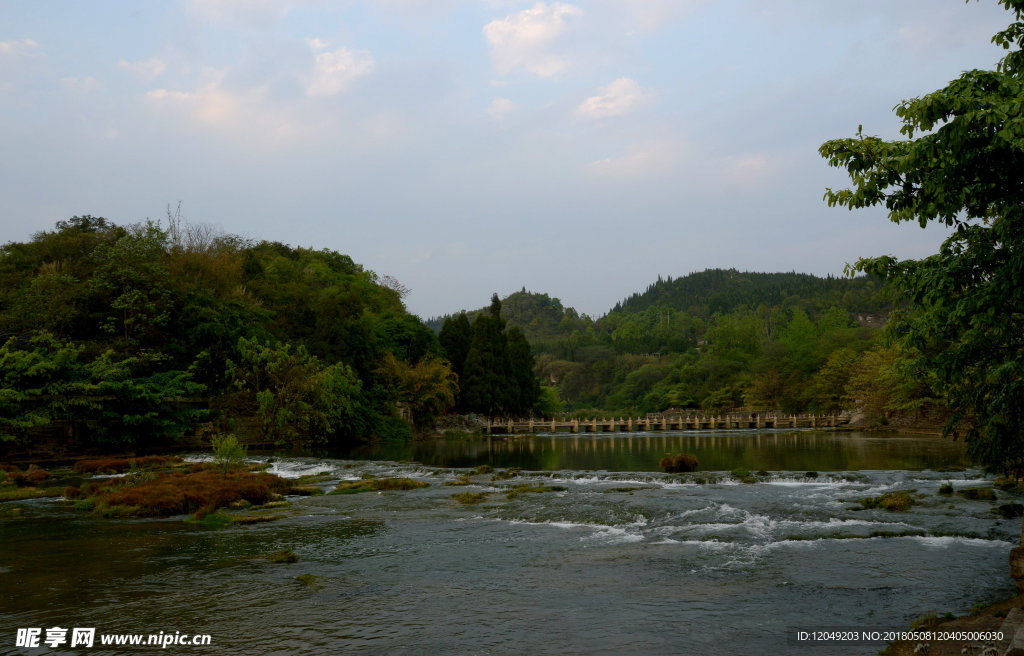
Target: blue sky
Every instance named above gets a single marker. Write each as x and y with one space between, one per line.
474 146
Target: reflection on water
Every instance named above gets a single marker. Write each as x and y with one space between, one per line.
716 450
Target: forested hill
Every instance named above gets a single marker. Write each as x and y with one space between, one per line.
723 290
123 335
718 339
542 318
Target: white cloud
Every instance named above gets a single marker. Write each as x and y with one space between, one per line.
500 108
250 113
146 70
79 84
616 99
335 71
317 44
11 47
525 39
640 159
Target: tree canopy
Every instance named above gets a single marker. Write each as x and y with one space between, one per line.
961 164
126 334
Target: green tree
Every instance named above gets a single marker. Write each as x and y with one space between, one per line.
484 385
961 164
294 396
456 337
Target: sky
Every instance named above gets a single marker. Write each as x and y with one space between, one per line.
466 147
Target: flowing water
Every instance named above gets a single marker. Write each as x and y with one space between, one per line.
623 560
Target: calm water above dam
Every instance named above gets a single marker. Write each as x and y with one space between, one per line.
623 560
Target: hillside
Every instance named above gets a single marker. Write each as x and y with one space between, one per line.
716 340
714 291
130 335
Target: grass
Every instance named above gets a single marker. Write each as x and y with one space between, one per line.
891 501
461 480
121 465
9 492
1009 510
743 475
282 557
978 494
506 474
201 490
311 581
378 485
946 489
533 489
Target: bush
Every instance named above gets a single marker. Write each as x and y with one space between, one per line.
228 452
978 494
378 485
681 462
177 493
891 501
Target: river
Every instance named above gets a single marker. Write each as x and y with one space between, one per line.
617 559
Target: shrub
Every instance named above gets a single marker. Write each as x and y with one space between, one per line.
1009 510
946 489
283 557
228 452
978 494
681 462
470 498
201 491
378 485
891 501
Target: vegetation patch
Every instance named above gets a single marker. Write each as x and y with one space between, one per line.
743 475
378 485
311 581
506 474
946 489
891 501
978 494
1009 510
282 557
121 465
533 489
470 498
680 462
461 480
202 490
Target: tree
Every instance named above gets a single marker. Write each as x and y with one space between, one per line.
960 165
428 387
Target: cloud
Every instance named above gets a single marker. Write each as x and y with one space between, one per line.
500 108
335 71
146 70
640 159
250 112
11 47
618 98
79 84
525 39
317 44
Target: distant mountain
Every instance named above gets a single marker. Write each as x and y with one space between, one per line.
723 290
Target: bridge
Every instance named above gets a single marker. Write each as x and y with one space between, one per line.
666 423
